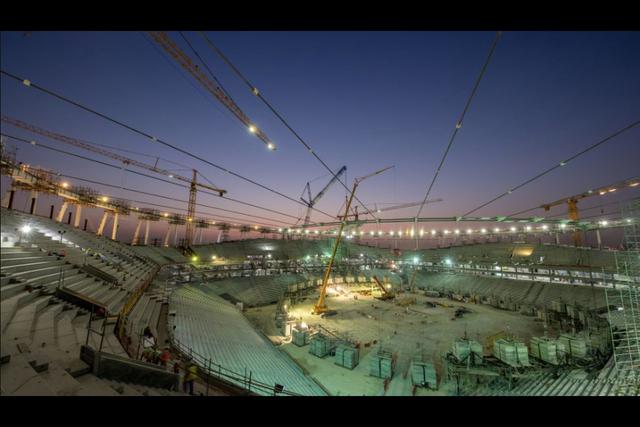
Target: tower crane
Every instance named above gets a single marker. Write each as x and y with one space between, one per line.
312 201
185 62
193 184
321 306
572 201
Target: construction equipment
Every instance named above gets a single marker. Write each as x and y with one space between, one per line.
193 184
185 62
572 201
321 306
395 207
386 295
312 201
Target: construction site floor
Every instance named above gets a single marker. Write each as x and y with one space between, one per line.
405 330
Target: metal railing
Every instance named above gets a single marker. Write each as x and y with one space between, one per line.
243 380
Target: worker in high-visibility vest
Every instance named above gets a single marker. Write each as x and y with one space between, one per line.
189 378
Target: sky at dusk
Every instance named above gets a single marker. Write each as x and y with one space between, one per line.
361 99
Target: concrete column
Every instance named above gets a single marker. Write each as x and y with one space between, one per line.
76 222
201 233
7 199
114 230
557 239
63 209
175 236
599 240
34 202
103 221
219 236
146 232
166 238
136 233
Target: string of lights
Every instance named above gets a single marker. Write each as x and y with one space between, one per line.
152 138
460 120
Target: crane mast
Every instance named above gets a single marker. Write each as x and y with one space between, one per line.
311 203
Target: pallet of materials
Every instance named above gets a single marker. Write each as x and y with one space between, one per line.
467 351
300 336
548 350
423 373
575 345
347 356
381 364
513 353
321 345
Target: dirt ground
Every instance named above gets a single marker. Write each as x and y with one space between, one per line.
406 331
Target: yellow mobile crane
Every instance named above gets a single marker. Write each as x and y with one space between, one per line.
385 293
321 306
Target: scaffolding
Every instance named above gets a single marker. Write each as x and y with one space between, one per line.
623 303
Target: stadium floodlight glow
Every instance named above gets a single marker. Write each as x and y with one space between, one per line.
306 231
528 228
496 230
170 176
446 231
421 232
213 257
497 267
628 219
379 233
612 190
447 261
415 259
280 230
371 232
391 233
65 185
513 229
317 231
634 184
165 214
545 227
26 229
483 231
456 231
469 231
194 258
361 255
602 193
605 222
400 233
271 146
433 232
563 226
104 198
253 129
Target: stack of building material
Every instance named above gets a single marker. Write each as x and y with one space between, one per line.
347 356
467 351
423 373
300 335
321 345
381 364
512 353
548 350
575 345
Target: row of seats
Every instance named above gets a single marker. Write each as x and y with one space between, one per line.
256 290
216 329
530 293
160 255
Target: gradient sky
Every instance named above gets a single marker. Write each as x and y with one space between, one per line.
361 99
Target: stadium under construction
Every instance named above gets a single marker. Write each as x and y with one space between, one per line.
104 295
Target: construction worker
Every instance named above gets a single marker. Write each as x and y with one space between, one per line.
189 378
165 357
